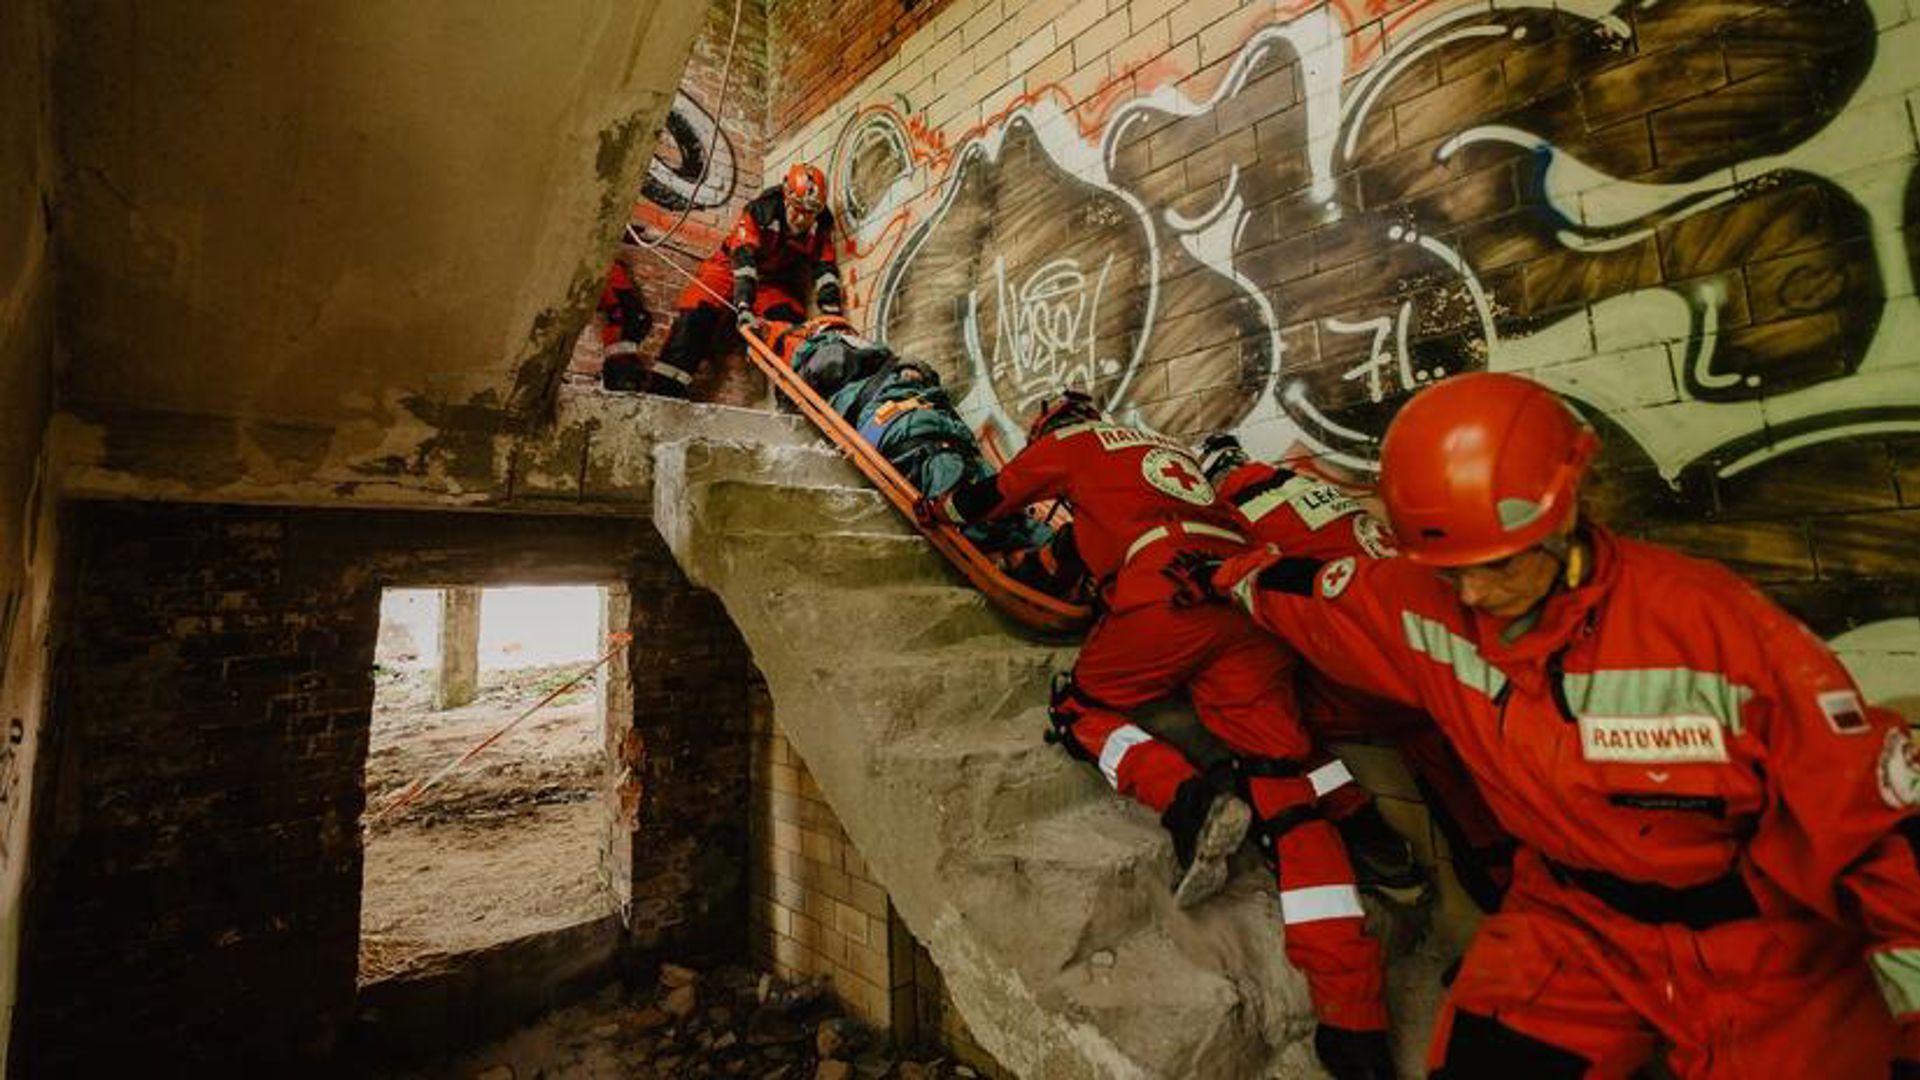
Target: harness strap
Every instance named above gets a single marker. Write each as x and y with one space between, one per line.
1697 907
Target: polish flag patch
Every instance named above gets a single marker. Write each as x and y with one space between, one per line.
1844 712
1643 739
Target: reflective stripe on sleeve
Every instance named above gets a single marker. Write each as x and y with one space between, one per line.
1319 903
747 272
671 372
1898 973
1437 641
1124 738
1329 777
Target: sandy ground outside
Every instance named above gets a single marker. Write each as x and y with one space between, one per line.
506 848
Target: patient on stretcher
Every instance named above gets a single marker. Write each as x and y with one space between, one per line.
899 406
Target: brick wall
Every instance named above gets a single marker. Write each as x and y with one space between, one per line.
724 128
1281 220
195 865
821 49
815 909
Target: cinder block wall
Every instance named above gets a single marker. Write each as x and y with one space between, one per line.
1283 219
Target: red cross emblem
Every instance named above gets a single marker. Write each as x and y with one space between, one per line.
1178 472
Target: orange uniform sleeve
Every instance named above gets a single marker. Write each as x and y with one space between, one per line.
1039 471
1338 614
1840 830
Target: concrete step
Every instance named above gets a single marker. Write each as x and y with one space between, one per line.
893 618
848 560
894 695
992 777
812 465
1074 882
730 506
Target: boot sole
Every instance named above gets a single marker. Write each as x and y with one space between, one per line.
1220 836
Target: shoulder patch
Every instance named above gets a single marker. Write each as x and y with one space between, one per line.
1320 504
1336 576
1178 475
1899 771
1374 537
1844 712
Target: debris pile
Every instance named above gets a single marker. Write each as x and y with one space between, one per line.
729 1022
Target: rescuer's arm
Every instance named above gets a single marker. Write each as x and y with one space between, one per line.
1037 472
827 295
1840 832
1340 615
743 252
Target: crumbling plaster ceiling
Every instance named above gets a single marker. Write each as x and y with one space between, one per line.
348 217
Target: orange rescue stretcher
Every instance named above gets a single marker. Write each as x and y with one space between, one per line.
1029 606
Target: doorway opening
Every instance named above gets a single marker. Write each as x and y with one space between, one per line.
507 843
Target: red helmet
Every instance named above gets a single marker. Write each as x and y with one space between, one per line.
1482 466
806 188
1058 410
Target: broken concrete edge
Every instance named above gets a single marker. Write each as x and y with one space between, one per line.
595 457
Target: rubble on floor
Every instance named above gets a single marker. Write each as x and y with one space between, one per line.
728 1022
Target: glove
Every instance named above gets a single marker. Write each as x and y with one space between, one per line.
1354 1055
746 320
937 511
1192 575
1237 569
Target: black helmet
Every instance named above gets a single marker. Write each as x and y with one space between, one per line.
1058 410
1220 454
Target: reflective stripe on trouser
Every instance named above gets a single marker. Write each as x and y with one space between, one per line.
1241 684
1772 996
1325 926
1139 766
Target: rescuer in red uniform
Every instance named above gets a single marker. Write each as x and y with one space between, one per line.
1137 499
1306 516
781 247
625 323
1718 836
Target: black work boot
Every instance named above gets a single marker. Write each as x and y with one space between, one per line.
1207 827
623 373
1354 1055
1382 859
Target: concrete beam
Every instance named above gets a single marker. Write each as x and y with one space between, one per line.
594 457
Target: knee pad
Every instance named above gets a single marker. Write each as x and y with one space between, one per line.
1481 1046
1064 709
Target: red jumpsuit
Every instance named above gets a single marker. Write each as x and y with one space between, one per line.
1712 822
763 250
625 324
1310 518
762 267
1138 499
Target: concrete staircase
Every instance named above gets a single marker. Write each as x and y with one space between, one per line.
1041 895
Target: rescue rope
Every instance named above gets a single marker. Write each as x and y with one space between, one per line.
719 119
413 791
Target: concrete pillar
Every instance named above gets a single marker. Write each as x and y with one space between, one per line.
459 648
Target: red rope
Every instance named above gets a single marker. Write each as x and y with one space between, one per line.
419 787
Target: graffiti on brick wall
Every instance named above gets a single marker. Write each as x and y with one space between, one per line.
1689 217
697 170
